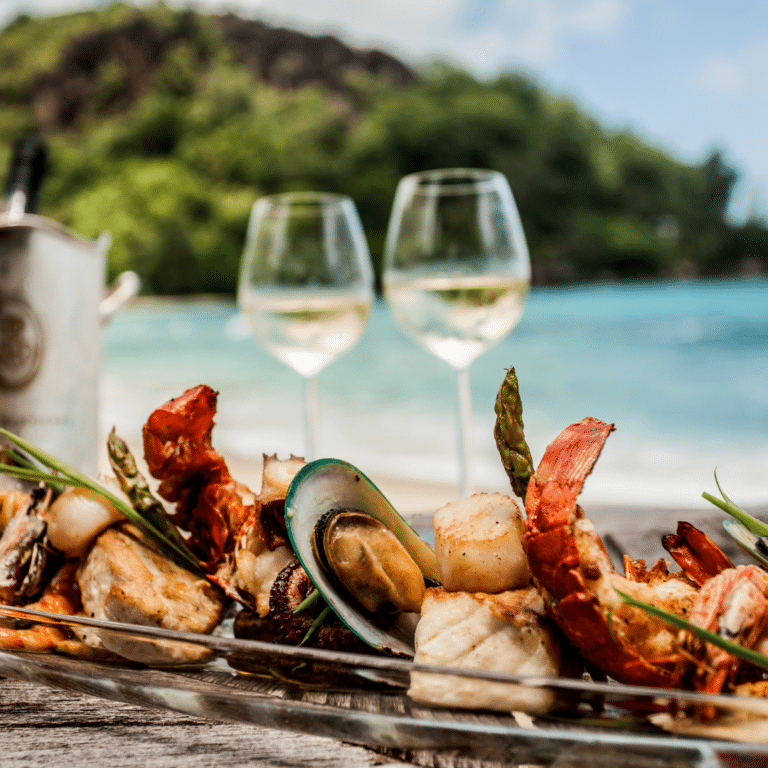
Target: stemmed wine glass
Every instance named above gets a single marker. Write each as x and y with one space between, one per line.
456 273
306 285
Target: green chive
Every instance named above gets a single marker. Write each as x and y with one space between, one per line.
752 524
20 459
69 476
310 599
315 624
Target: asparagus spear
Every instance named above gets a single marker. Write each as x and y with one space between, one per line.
137 489
508 432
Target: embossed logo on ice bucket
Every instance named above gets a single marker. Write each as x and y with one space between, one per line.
21 343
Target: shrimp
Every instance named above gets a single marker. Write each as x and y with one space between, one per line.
61 596
210 505
239 536
733 604
570 566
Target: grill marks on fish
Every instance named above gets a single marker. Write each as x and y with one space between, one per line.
505 632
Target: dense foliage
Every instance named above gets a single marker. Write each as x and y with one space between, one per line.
170 155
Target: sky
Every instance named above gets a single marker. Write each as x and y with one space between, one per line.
688 76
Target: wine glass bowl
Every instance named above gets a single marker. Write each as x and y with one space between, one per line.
456 271
306 285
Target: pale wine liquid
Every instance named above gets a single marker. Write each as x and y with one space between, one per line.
457 318
306 332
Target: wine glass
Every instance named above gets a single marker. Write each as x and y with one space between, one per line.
306 285
456 273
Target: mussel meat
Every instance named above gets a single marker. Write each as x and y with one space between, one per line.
369 561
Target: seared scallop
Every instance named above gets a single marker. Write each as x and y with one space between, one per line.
478 544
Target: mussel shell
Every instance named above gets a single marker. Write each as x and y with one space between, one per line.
327 484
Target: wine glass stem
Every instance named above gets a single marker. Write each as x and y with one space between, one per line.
464 403
311 411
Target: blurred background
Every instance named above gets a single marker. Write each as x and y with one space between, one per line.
633 135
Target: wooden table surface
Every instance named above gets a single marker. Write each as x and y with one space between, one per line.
44 727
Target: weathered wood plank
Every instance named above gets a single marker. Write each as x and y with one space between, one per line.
39 723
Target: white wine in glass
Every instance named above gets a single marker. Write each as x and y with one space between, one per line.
306 285
456 273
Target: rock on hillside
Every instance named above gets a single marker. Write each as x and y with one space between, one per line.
286 58
280 57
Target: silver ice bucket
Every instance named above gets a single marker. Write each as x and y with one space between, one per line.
52 306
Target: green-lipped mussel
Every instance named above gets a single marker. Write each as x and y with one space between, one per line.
361 555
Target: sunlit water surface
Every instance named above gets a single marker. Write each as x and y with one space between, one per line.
680 368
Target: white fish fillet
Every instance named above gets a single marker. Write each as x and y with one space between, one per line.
507 632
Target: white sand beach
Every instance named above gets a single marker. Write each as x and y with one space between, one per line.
408 495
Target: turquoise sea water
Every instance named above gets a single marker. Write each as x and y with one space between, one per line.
680 368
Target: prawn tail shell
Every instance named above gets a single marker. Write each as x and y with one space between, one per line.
560 476
550 503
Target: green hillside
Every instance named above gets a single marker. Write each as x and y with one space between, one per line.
165 126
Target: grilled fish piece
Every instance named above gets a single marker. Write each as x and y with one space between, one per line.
124 580
506 632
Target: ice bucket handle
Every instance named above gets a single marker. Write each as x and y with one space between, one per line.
125 287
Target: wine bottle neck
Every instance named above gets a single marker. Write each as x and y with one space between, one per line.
25 175
14 206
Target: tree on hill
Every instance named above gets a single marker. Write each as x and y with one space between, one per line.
164 126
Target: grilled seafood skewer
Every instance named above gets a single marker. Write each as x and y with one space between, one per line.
241 538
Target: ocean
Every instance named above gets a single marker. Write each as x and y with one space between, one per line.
681 369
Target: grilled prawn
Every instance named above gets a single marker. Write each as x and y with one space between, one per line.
61 596
571 567
733 604
238 535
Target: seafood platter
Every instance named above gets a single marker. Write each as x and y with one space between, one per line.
504 634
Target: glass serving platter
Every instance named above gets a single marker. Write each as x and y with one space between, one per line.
364 699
